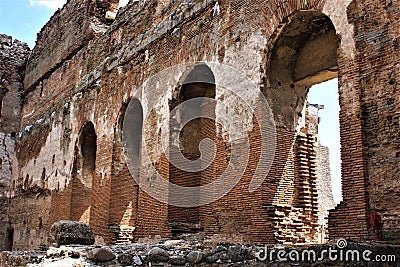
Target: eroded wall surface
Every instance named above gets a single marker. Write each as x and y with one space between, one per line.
376 34
86 67
13 56
377 40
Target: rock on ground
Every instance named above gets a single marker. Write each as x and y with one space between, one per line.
101 255
158 255
71 232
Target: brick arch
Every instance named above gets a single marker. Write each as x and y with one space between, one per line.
304 53
278 13
293 74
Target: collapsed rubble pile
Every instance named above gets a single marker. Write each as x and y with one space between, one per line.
179 253
170 253
74 247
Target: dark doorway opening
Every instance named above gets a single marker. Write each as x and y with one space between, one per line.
9 240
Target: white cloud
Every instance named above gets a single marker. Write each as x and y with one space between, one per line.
123 3
51 4
55 4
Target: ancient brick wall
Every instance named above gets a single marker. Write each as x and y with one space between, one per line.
376 51
85 68
377 42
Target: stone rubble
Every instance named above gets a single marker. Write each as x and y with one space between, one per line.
63 103
176 253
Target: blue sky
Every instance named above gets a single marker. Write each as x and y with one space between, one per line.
23 19
327 94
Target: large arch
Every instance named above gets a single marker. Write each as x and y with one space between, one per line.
82 173
303 53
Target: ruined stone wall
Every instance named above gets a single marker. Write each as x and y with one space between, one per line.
68 30
13 55
376 33
86 69
377 41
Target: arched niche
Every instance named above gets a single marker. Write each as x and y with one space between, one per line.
124 189
82 173
197 82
